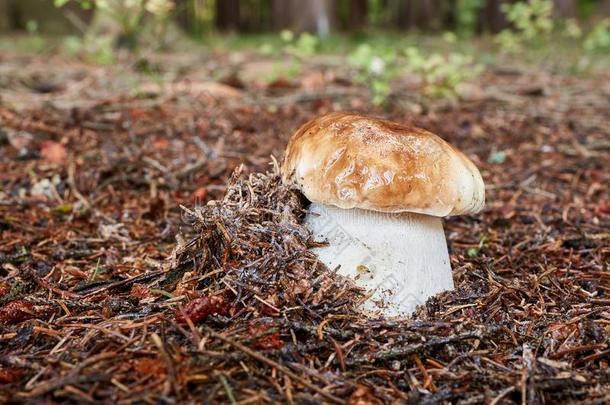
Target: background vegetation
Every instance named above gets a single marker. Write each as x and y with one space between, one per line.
440 46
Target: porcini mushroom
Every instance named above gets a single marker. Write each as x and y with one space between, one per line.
378 191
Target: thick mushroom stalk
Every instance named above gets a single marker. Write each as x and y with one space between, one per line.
399 259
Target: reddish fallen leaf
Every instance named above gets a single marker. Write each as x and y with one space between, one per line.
16 312
140 291
136 114
596 175
266 340
11 375
5 288
603 207
560 331
160 143
199 195
53 151
150 366
281 83
200 308
363 395
204 127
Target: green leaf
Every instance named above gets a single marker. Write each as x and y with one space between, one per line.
63 209
161 292
497 157
472 252
31 26
95 271
286 36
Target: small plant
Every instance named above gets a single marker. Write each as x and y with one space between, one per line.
571 29
508 41
297 48
282 70
31 27
303 46
441 74
161 12
375 69
474 252
598 40
132 16
532 18
532 21
34 41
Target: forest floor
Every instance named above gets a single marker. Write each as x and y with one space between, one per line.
110 292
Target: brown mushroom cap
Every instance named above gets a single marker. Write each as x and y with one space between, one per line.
353 161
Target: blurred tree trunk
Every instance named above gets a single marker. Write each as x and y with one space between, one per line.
227 14
492 18
7 20
299 16
566 8
450 11
281 17
603 10
183 15
358 11
423 14
70 19
318 18
404 15
432 17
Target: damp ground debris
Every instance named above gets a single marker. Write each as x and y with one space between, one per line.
149 252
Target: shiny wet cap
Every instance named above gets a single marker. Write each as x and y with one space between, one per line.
354 161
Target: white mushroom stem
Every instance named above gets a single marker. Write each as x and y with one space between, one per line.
399 259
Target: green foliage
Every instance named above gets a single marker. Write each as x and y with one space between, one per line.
376 68
497 157
133 17
441 74
474 252
533 23
281 70
378 12
571 29
31 26
63 209
304 46
97 49
598 40
466 15
532 18
297 48
33 42
586 8
85 4
450 37
508 41
73 45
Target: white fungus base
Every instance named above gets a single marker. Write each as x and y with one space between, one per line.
399 259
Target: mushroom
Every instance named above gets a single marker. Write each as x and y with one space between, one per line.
378 191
